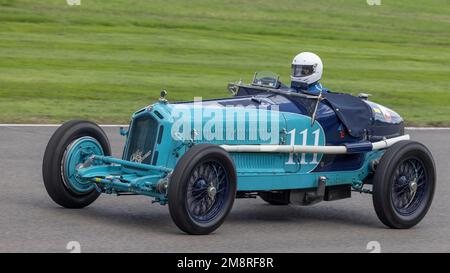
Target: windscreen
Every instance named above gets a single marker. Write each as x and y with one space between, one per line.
266 79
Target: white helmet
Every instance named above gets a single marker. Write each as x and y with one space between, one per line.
307 68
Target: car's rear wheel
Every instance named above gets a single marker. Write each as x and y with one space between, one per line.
69 147
403 185
202 189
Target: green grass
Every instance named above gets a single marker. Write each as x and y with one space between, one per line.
105 59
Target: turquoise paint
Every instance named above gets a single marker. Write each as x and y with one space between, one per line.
290 129
256 171
301 131
254 181
110 159
78 152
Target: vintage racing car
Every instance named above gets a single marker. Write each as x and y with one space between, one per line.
285 147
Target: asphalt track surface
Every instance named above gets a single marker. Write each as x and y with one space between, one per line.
31 222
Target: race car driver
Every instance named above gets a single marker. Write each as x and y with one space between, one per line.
306 73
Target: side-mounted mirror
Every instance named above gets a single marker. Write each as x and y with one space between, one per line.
162 96
233 88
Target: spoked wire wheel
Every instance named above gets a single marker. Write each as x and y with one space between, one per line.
404 184
202 189
207 190
409 186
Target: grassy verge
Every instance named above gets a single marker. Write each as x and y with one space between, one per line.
104 59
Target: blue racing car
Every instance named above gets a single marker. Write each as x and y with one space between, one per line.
267 140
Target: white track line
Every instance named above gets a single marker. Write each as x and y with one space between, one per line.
118 125
427 128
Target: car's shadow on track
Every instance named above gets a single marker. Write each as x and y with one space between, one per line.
145 217
139 215
316 214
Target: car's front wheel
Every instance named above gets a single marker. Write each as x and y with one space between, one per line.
202 189
403 185
69 147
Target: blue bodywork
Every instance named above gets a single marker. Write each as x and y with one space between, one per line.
151 151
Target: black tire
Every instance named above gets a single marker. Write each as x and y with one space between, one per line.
278 198
183 174
401 159
51 166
